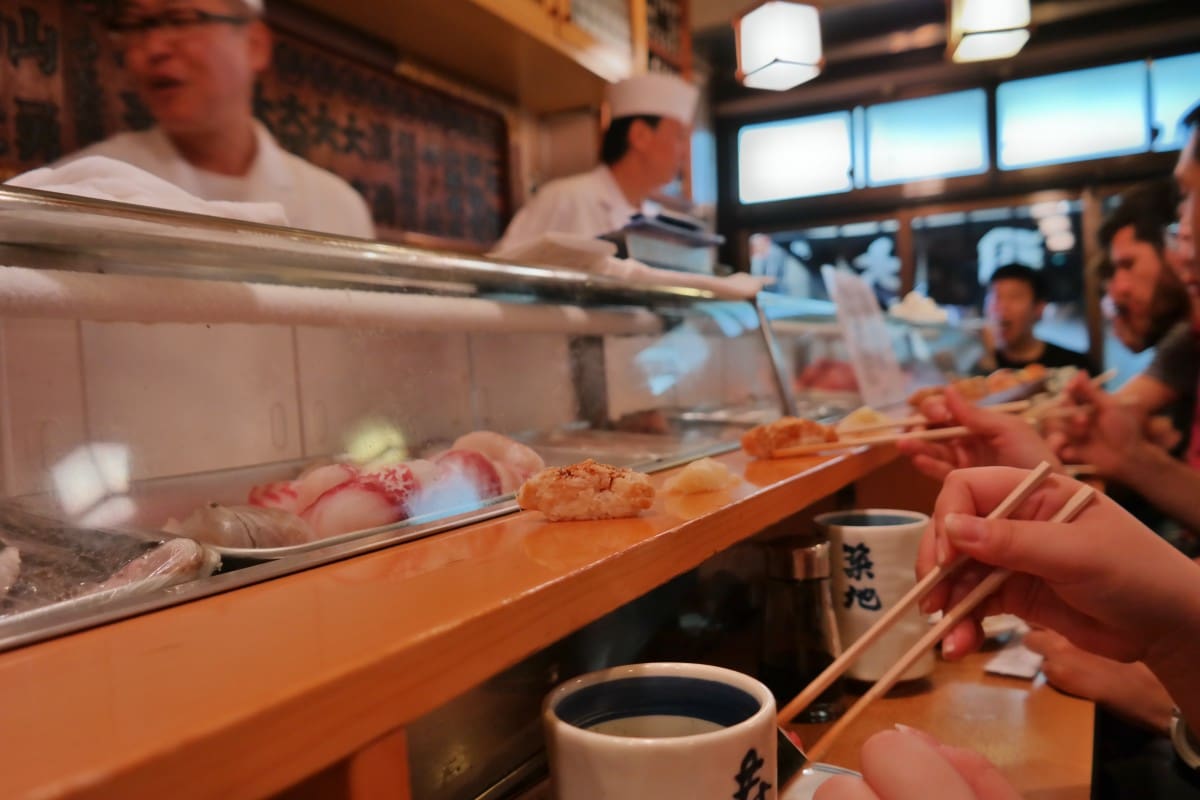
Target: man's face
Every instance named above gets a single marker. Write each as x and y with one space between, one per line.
1187 174
190 76
662 149
1012 310
1137 268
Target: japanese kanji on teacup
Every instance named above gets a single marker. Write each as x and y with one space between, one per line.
875 553
669 731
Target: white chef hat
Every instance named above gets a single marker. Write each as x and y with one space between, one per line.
656 94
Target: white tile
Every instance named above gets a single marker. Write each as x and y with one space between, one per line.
418 381
188 398
43 394
523 381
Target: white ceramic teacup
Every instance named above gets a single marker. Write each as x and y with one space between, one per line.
874 565
656 731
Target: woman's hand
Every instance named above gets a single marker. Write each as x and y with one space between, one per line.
1104 581
998 439
1128 690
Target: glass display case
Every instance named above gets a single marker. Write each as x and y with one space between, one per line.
817 364
192 404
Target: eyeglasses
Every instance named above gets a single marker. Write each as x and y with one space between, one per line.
173 22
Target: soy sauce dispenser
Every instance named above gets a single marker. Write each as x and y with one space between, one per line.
800 637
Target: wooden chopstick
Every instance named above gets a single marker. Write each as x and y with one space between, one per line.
920 419
849 444
984 590
893 614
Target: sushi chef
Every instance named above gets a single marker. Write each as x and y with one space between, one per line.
642 150
194 64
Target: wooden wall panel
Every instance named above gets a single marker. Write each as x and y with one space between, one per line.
427 162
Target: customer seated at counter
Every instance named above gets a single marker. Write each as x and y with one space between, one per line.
643 150
1015 302
194 64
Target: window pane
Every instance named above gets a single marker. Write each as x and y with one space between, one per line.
933 137
794 158
1090 113
1176 88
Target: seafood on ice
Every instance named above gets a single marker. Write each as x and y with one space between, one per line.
334 498
587 490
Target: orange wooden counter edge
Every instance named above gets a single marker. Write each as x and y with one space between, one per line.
243 694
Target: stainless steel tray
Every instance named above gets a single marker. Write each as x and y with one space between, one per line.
55 231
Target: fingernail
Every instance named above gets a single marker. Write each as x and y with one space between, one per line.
917 733
943 552
965 529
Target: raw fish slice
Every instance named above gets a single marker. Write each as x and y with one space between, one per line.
510 477
502 449
476 467
174 561
243 526
319 480
281 495
368 501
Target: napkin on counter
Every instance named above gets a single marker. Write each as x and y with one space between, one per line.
1015 660
102 178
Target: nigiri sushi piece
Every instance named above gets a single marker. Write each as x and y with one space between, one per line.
368 501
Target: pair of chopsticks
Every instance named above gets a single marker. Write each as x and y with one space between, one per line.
862 441
952 617
1014 407
1033 412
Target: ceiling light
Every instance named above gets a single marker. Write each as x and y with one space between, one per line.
982 30
778 45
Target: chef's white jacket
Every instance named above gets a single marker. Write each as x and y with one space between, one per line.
313 198
588 204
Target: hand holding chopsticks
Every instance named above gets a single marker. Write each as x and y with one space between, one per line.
851 654
954 615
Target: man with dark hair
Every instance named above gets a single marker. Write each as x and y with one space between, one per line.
194 64
1016 299
643 149
1150 303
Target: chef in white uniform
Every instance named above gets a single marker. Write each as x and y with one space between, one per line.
643 150
194 64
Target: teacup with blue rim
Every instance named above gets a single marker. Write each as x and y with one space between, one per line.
661 731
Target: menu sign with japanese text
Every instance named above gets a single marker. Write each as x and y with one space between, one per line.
865 333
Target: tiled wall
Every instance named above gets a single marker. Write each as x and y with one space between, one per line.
193 398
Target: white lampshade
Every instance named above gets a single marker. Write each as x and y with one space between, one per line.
779 45
982 30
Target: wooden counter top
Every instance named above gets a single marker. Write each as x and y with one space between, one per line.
243 694
1040 738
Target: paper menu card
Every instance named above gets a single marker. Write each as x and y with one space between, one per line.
880 381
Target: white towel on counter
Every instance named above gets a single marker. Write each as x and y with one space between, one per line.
595 256
102 178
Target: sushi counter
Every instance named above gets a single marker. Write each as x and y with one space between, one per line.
247 693
276 508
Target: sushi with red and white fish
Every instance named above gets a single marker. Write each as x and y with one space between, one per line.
331 499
